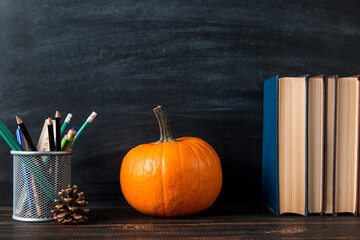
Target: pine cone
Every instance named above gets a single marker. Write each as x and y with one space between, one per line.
69 207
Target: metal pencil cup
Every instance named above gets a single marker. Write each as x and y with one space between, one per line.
38 177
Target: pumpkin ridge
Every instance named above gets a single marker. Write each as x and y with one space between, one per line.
199 174
128 172
169 157
212 155
140 160
142 181
213 159
206 159
162 177
172 173
152 182
182 176
202 153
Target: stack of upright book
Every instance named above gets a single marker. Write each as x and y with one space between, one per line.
311 145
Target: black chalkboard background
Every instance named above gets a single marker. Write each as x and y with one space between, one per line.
203 61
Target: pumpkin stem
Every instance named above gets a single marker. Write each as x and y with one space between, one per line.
164 125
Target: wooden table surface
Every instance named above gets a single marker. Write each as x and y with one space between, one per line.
217 222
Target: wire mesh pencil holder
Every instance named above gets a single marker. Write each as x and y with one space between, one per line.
38 177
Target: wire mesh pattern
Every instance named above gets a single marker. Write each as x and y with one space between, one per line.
38 177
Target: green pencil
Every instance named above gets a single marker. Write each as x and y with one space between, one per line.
6 138
84 126
67 120
9 138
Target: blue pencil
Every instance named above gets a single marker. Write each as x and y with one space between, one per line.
26 177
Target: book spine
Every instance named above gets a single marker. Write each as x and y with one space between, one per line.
335 141
306 146
322 212
270 176
357 153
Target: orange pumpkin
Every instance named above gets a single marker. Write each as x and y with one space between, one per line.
171 177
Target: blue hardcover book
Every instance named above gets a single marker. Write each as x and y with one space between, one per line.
284 170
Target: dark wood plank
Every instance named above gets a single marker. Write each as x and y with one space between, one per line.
217 222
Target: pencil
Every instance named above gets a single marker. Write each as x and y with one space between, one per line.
51 134
25 133
26 146
57 129
9 138
84 126
67 120
63 128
